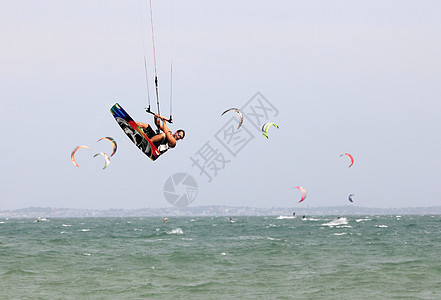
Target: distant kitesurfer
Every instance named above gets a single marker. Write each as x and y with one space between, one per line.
294 214
304 217
162 140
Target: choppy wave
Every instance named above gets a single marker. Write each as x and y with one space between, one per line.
20 272
256 258
362 220
176 231
285 217
336 222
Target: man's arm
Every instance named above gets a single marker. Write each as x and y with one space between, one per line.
171 140
157 121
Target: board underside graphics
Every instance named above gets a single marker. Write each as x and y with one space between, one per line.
135 134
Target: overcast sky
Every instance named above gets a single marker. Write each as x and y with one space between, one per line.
361 77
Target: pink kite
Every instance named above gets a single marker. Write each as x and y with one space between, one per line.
303 191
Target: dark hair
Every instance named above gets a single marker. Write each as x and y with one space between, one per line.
183 132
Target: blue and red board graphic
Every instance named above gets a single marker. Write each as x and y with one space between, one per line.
135 134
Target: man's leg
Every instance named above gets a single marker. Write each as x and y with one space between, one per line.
142 125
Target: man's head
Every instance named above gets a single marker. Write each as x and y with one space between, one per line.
179 134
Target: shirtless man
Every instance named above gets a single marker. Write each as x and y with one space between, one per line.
162 140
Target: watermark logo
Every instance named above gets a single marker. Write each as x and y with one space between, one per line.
217 153
180 189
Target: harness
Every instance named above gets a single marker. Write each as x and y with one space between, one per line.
163 144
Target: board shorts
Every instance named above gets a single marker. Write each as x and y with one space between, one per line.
161 145
149 132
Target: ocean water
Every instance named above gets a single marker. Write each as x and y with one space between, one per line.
322 257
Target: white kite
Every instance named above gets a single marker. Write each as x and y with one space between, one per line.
106 157
239 113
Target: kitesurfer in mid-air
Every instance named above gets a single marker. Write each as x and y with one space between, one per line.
162 140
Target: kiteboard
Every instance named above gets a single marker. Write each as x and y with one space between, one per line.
134 132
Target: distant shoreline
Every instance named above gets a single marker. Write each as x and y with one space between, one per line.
212 211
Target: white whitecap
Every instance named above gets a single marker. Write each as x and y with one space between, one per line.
285 217
362 220
336 222
176 231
